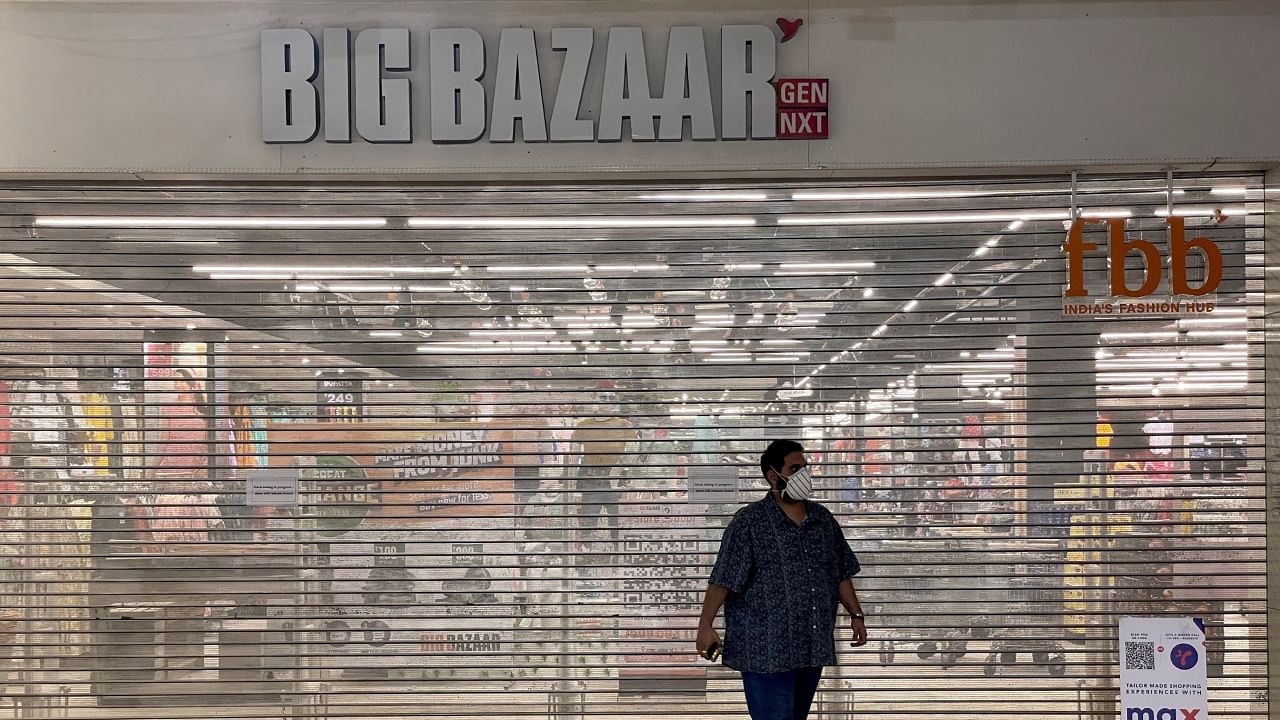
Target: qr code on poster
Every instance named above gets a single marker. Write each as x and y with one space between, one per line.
1140 656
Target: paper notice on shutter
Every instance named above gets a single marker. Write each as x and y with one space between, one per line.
713 484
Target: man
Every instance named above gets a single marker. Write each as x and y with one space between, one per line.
783 564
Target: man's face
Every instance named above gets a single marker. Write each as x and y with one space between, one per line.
790 464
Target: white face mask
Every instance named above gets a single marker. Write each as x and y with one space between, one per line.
800 485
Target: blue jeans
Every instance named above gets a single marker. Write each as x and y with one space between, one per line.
781 696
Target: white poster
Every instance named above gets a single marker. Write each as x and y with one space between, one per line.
713 484
271 487
1162 669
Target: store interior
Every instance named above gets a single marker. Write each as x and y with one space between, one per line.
366 450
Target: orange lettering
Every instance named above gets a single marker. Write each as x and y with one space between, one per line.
1179 247
1075 248
1120 250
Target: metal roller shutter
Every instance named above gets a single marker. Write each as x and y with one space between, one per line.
514 417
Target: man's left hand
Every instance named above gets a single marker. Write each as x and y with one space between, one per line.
859 626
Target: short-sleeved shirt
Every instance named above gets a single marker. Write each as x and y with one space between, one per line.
783 581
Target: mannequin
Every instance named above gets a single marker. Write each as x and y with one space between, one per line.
602 442
183 445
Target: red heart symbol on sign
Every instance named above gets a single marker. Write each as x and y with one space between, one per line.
789 27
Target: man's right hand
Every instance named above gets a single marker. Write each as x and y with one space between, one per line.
707 636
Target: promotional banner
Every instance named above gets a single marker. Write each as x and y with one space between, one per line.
415 536
1162 669
661 543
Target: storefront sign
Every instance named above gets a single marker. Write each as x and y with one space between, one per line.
1150 294
1162 669
802 108
334 82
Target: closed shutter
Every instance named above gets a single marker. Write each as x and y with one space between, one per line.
397 450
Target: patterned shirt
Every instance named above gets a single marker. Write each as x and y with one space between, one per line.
783 582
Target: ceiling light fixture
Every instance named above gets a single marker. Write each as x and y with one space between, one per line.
922 218
598 222
110 221
1204 211
707 197
914 194
1217 333
502 269
317 272
828 266
1154 335
512 333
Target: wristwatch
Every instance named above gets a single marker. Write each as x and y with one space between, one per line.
858 615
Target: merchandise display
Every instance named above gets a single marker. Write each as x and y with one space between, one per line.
454 451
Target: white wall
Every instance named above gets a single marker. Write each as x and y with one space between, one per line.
173 87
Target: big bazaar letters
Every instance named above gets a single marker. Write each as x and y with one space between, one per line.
310 83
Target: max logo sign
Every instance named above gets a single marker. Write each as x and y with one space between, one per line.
1162 714
1119 248
368 83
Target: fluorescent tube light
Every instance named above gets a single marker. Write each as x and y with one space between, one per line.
653 267
107 221
1203 211
452 349
711 196
1218 333
572 269
364 288
828 266
599 222
317 272
921 218
512 333
1155 335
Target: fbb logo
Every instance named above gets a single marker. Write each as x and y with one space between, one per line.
1120 247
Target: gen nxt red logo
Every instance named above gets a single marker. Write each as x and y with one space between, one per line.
802 108
1119 248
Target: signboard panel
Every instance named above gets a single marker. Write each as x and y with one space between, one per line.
415 535
1163 672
